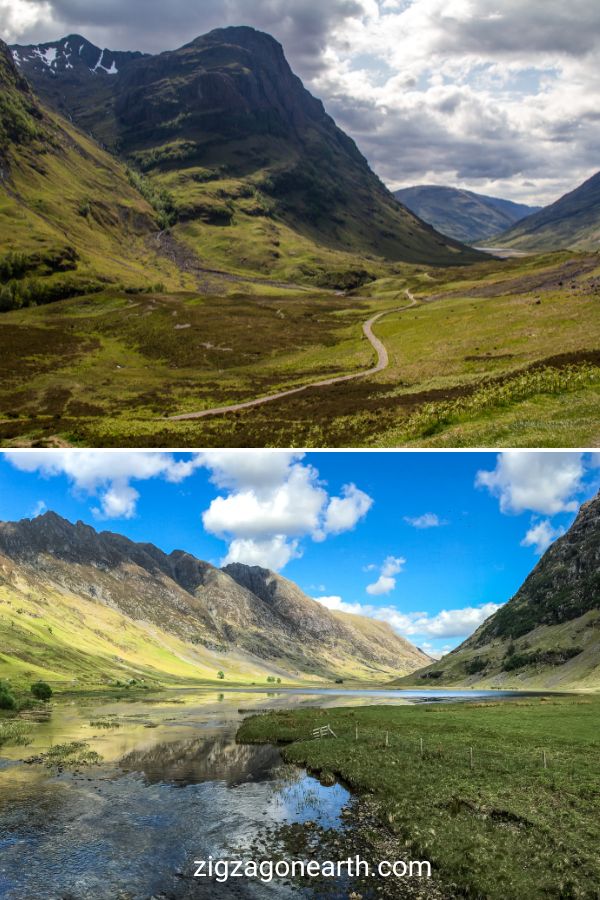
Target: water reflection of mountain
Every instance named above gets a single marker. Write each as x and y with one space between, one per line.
216 758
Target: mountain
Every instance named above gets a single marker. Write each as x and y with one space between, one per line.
572 222
71 221
548 634
255 167
462 215
95 606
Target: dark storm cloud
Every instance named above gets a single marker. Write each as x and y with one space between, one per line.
153 25
505 27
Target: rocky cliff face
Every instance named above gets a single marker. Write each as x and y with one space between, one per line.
239 607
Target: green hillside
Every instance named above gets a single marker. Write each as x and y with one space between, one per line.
572 222
548 634
71 222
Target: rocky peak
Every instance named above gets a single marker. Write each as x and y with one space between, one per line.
71 55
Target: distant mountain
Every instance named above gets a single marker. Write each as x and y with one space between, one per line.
548 634
462 215
572 222
77 603
226 127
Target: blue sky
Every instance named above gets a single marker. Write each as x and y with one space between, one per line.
430 542
497 96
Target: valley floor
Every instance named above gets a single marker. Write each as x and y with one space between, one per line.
500 797
503 353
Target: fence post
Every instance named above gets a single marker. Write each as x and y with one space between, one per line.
421 740
545 761
356 735
387 739
471 756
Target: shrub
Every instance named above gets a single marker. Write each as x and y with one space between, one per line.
220 674
473 666
7 698
159 199
41 690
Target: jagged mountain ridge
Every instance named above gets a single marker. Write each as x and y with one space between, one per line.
461 214
225 125
200 605
548 634
571 222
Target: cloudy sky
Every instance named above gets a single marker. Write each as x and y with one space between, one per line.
499 96
432 543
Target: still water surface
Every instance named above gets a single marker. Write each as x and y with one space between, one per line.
173 787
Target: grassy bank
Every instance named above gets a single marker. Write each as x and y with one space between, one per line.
465 785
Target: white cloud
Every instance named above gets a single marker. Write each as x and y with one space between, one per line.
271 553
344 512
427 520
105 475
272 501
386 582
541 535
435 652
541 482
446 624
39 509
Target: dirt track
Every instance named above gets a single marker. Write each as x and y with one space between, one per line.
382 363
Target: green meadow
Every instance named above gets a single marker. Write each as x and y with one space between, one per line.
501 797
501 353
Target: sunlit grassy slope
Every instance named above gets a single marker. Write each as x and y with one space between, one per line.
68 210
62 638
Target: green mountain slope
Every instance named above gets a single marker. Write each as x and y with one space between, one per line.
548 634
70 220
258 172
95 607
573 222
463 215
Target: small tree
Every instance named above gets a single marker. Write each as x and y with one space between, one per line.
220 674
41 690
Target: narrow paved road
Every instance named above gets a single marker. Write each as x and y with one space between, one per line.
382 363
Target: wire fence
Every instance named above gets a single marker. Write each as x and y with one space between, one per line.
429 750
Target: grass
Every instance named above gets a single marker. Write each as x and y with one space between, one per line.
506 827
14 732
70 755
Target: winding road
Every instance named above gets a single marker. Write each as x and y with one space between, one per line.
382 363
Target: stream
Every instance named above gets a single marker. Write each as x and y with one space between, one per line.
172 787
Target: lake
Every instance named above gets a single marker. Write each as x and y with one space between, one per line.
172 787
